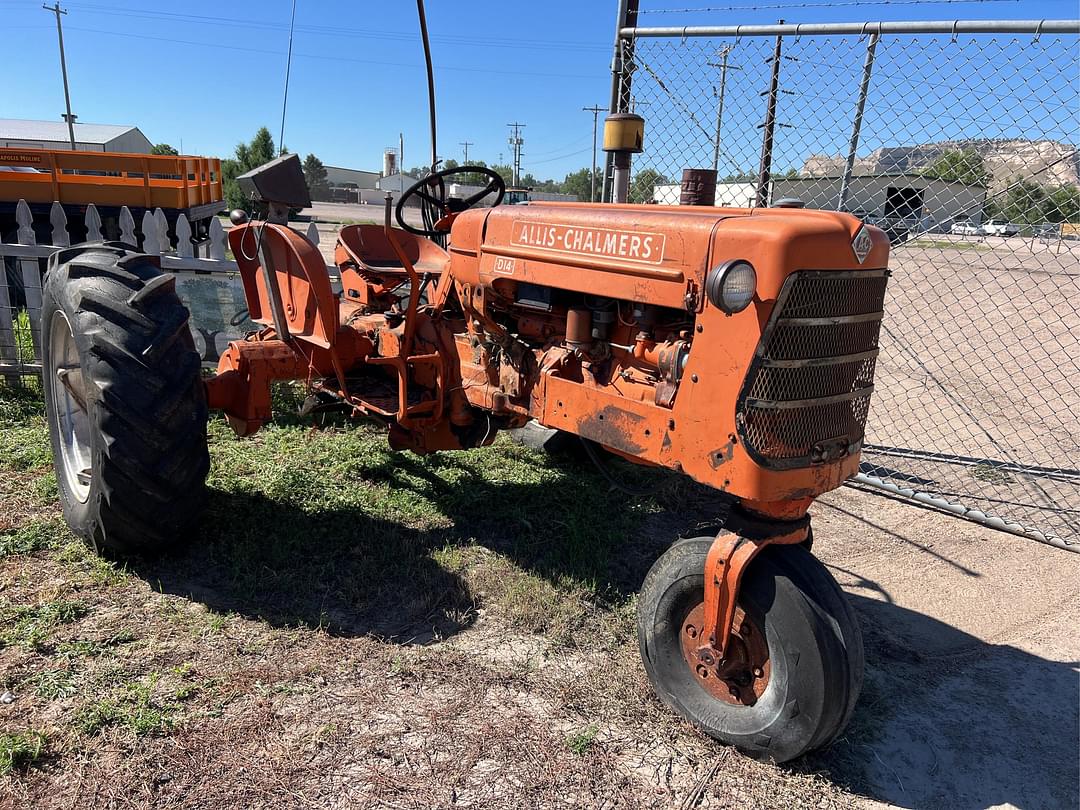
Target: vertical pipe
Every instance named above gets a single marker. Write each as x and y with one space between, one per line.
765 169
620 77
620 184
864 87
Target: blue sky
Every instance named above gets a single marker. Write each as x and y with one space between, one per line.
208 73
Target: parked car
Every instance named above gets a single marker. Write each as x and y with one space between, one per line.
964 227
1000 227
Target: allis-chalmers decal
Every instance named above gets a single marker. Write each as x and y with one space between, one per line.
633 246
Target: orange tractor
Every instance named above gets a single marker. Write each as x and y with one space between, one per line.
735 346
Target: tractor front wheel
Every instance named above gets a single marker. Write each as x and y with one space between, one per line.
125 400
794 664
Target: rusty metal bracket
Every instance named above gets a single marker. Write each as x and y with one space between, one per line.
736 545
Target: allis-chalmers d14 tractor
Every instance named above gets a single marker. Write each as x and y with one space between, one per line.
735 346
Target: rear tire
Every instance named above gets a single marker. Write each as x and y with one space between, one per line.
815 651
125 400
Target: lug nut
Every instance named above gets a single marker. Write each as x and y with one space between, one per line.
702 671
706 658
758 672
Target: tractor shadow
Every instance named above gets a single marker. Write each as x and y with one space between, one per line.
978 725
352 573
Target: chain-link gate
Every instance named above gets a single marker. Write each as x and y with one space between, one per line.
959 140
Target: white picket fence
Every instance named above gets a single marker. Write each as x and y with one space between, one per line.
20 327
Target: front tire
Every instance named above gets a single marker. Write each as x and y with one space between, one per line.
125 400
803 691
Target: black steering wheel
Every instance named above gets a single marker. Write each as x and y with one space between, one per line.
432 193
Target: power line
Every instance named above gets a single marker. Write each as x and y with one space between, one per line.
216 46
338 31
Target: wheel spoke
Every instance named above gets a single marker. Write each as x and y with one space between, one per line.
76 390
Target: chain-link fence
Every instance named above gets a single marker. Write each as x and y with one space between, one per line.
962 147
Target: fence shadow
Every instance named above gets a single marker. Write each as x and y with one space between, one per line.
982 725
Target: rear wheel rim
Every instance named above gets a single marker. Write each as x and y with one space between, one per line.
70 409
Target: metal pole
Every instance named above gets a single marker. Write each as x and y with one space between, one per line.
401 163
595 110
626 17
288 70
55 9
864 87
516 142
859 29
962 511
720 104
764 170
466 144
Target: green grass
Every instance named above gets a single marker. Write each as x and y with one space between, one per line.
135 707
33 537
20 750
24 435
30 626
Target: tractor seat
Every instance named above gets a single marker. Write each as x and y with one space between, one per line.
368 247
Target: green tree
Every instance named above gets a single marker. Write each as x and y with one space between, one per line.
506 172
315 177
163 149
579 184
1063 205
248 156
959 166
641 187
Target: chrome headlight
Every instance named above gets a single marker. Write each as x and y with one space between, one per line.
731 285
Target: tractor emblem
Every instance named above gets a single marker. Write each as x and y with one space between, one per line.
861 244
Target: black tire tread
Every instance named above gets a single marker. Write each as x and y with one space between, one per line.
150 456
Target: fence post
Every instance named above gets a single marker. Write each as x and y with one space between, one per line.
31 276
151 243
93 224
761 198
8 353
127 227
184 248
58 221
864 87
620 78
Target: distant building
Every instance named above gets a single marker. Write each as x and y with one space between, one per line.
350 178
25 134
878 198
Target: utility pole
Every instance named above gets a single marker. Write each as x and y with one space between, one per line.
467 144
288 69
516 141
720 100
55 9
595 110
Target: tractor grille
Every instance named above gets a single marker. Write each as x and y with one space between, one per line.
808 391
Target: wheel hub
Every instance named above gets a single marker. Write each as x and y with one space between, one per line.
741 676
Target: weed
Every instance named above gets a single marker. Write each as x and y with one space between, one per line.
581 741
20 750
